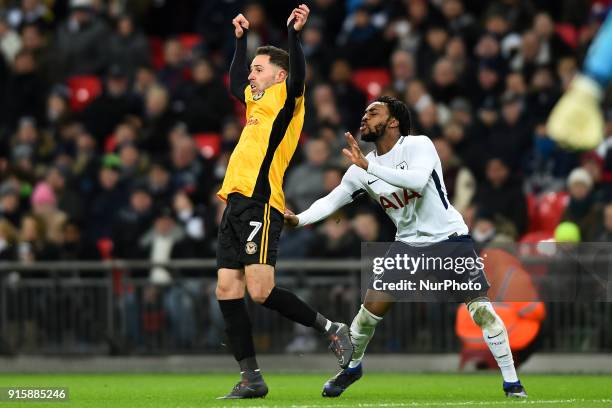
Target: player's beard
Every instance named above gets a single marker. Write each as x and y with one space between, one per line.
377 134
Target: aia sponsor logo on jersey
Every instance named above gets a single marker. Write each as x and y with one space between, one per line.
396 202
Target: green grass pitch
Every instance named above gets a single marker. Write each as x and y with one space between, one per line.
295 390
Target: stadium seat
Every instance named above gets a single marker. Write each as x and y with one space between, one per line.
156 47
371 81
568 34
110 143
550 210
105 247
532 212
190 41
83 89
209 144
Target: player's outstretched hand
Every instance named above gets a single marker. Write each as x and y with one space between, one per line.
240 24
354 153
290 218
300 14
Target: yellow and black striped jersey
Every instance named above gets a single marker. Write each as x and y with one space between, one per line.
257 165
274 122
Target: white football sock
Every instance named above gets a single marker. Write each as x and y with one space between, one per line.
362 330
495 335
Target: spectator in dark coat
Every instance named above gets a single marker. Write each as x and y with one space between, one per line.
9 204
24 93
68 200
128 47
75 247
159 183
81 41
105 112
159 120
445 86
106 202
511 138
335 239
349 99
174 69
206 100
132 222
502 195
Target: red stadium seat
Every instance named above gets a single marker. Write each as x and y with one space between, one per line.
110 143
156 47
83 89
209 144
371 81
550 210
568 34
532 212
189 40
105 247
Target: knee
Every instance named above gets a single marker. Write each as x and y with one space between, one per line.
483 314
259 293
227 290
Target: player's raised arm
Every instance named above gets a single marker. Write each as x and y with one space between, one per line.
414 177
297 62
239 72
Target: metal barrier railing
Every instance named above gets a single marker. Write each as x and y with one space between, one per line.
112 307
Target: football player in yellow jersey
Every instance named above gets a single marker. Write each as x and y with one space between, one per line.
273 92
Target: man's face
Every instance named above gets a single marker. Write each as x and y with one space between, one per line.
497 172
264 74
374 122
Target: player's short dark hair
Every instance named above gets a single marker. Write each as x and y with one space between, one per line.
399 111
278 56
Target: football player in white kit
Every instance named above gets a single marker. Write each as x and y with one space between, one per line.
404 175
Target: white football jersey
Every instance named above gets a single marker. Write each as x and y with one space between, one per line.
420 216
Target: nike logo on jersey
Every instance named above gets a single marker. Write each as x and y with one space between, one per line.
372 181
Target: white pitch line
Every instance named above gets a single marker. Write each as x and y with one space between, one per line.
428 404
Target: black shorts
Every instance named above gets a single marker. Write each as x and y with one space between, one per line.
452 262
248 233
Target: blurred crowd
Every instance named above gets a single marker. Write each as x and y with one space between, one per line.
130 170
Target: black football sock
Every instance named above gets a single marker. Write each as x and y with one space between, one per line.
294 308
238 331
